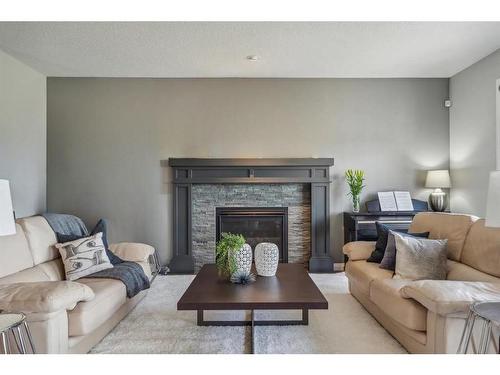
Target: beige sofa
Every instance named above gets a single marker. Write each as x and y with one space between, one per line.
427 316
64 316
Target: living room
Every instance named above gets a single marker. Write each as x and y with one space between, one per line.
244 187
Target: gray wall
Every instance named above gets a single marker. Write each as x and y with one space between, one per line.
106 138
23 134
472 134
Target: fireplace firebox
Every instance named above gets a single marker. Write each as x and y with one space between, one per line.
256 224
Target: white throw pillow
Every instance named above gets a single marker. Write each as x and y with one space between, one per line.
420 258
84 256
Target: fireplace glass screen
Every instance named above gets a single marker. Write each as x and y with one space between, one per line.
262 224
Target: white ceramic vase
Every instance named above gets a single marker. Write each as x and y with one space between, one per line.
243 258
267 257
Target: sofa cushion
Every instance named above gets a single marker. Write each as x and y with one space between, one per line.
15 254
461 272
482 249
53 269
448 297
385 293
41 239
48 271
29 275
453 227
363 273
110 295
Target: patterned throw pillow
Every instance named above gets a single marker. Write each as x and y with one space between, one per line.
84 256
101 226
420 258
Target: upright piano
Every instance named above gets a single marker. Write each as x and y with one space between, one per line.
361 226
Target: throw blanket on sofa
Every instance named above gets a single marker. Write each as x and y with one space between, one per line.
129 273
66 224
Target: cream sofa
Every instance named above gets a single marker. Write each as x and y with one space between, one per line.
64 316
427 316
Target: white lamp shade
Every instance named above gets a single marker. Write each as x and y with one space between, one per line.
438 179
7 222
493 205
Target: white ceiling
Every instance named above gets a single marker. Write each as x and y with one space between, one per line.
219 49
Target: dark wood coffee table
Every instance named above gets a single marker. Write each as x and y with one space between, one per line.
290 289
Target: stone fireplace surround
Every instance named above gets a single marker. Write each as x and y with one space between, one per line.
206 198
201 185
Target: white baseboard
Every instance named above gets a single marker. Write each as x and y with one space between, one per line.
338 267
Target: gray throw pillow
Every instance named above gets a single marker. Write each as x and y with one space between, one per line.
420 258
389 260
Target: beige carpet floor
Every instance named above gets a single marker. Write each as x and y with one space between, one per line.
155 326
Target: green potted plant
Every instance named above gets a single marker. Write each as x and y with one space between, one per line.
225 253
355 179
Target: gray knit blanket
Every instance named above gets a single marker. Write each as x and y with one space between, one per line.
66 224
129 273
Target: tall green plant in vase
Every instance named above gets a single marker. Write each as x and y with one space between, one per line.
225 253
355 179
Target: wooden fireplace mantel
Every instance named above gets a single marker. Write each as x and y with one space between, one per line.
313 171
247 162
238 171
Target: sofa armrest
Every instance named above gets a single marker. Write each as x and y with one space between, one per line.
359 250
445 297
44 296
132 252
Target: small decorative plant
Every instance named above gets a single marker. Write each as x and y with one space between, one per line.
224 253
355 179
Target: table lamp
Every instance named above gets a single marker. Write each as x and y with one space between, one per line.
493 205
438 180
7 222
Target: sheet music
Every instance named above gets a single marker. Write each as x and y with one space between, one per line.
387 201
403 200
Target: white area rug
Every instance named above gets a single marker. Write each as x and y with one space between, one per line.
155 326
